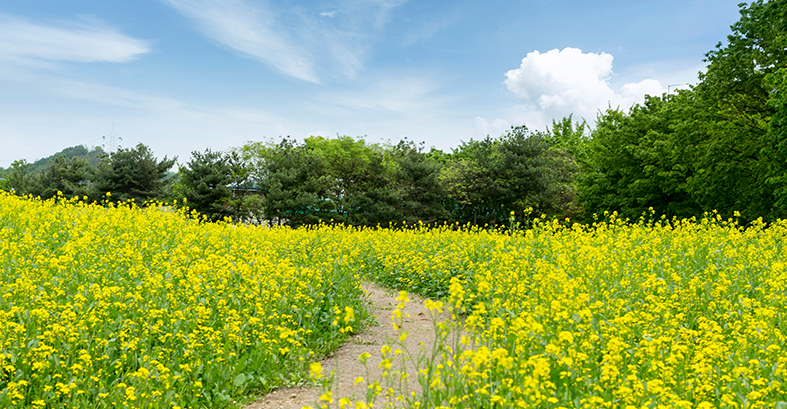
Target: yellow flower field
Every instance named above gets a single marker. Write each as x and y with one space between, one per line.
680 314
129 307
122 307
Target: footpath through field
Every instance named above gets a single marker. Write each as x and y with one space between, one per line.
345 360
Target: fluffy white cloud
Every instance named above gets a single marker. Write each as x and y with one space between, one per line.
636 91
28 43
558 83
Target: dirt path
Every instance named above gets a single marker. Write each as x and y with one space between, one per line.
345 360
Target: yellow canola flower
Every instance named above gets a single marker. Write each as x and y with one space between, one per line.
327 397
315 370
608 314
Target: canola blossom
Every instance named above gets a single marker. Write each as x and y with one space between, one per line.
126 307
665 314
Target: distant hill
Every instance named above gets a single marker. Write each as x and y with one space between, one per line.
93 156
80 151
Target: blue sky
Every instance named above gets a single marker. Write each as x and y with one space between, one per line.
185 75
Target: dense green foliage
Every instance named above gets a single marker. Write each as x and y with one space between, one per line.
76 172
66 171
92 156
349 181
132 173
719 146
217 185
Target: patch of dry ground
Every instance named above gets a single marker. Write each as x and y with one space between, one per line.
345 359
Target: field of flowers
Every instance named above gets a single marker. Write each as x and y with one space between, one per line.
124 307
678 314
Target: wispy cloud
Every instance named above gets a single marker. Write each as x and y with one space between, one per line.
301 43
429 29
34 44
382 8
158 104
171 126
251 30
389 94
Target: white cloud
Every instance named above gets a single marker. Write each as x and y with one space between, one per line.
558 83
170 126
34 44
388 93
636 91
281 130
251 30
483 128
381 10
294 41
429 29
159 105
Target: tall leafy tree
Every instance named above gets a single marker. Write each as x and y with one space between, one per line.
740 163
638 161
777 138
132 173
487 180
469 183
720 146
570 136
521 174
358 180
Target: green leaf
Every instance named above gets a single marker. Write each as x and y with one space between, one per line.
239 380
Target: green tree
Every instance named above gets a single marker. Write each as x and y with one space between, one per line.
206 181
521 175
132 174
92 156
416 177
639 160
571 136
739 165
468 182
67 176
19 177
245 204
777 138
293 183
487 180
358 180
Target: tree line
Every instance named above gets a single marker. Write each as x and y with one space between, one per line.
339 180
349 181
128 174
719 146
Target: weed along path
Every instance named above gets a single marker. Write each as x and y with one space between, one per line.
348 368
